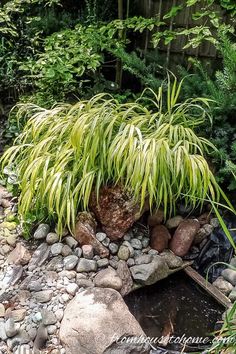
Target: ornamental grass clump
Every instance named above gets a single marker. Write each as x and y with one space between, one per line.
66 152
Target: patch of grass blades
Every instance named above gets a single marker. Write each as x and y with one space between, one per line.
67 151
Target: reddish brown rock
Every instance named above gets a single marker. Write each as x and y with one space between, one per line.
156 218
85 233
116 210
160 237
184 237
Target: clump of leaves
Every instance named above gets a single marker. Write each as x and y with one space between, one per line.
66 152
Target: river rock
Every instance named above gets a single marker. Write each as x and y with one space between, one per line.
55 264
174 222
171 259
125 275
108 278
147 274
86 265
159 238
143 259
184 237
43 296
123 253
20 255
223 285
136 244
229 275
85 233
48 317
66 251
232 295
87 251
52 238
19 314
156 218
71 241
10 328
70 262
113 247
2 310
102 263
202 233
39 256
3 335
56 248
111 320
41 232
72 288
115 210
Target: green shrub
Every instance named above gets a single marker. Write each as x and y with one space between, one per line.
66 152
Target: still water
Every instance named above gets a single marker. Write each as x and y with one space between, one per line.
175 307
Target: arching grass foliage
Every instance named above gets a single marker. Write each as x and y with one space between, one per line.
67 151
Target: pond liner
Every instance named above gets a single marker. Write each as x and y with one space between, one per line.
217 249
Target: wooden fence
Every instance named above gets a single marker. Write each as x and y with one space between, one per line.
183 20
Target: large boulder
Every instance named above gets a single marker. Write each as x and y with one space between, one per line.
116 210
97 319
85 233
147 274
184 237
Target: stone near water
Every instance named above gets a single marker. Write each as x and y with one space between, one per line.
223 285
232 295
86 265
130 262
70 262
145 242
171 259
51 329
143 259
229 275
233 262
88 251
41 337
147 274
125 275
108 278
52 238
41 232
184 237
103 306
85 233
159 238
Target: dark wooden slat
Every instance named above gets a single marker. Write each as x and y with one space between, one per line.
211 289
